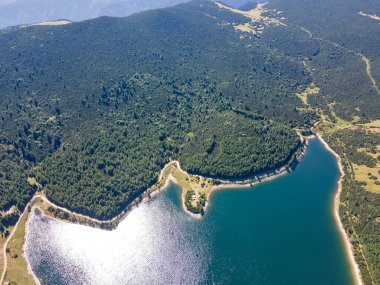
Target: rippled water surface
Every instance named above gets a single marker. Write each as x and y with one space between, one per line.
279 232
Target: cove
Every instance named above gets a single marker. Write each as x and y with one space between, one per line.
279 232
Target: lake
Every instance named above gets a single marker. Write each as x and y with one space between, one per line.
279 232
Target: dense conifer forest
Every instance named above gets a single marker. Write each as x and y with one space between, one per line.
93 110
245 149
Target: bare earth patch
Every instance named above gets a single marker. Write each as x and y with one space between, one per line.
373 126
51 23
373 17
258 21
12 210
32 181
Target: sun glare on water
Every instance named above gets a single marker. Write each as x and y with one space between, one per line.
140 246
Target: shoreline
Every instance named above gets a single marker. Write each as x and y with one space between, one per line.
123 215
119 218
28 264
171 179
111 224
347 243
271 175
225 186
234 184
24 256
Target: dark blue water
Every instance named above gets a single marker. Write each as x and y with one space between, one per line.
279 232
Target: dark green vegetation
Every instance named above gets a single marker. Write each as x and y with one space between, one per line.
360 209
95 109
238 217
14 188
13 180
339 21
199 208
332 51
246 148
330 37
100 106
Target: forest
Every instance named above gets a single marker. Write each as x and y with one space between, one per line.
94 120
235 146
93 110
358 204
104 172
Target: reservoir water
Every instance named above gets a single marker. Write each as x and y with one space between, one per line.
279 232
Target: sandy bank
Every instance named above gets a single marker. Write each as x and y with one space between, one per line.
347 243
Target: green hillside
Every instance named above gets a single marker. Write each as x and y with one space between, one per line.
93 110
96 108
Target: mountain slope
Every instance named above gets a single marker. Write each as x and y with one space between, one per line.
96 108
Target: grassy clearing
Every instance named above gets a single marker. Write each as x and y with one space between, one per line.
374 154
326 128
32 181
310 90
2 242
198 184
373 126
339 122
248 28
329 127
369 176
192 182
369 73
334 123
17 272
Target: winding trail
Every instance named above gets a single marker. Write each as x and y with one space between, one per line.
4 251
369 73
366 61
